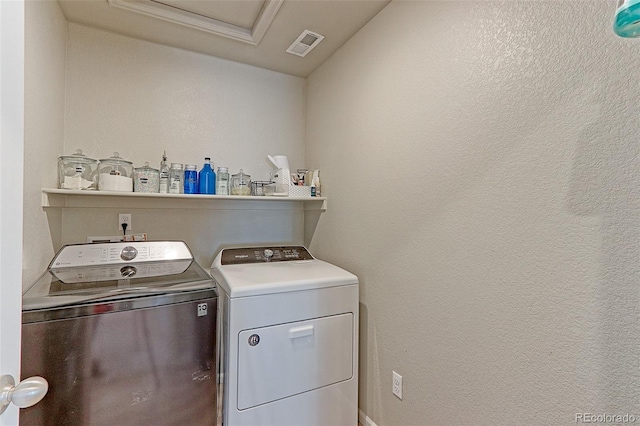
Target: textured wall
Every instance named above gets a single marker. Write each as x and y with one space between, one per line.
45 38
481 161
140 98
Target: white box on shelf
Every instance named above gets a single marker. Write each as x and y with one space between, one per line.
299 191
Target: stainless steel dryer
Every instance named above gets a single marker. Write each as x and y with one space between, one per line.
125 334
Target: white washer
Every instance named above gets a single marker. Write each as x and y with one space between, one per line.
289 338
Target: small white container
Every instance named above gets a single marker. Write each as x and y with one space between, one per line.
299 191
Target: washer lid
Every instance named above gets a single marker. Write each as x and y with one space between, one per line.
268 277
86 273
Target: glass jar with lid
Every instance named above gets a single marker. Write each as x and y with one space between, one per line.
146 179
115 174
240 184
77 171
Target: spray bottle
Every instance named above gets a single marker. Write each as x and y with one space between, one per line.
164 174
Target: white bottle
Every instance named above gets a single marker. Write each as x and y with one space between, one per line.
315 180
318 187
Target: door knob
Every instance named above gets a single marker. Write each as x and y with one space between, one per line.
27 393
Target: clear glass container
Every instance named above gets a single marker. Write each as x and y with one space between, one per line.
222 181
176 176
146 179
77 171
240 184
116 174
258 187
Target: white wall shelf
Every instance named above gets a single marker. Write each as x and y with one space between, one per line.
64 198
312 207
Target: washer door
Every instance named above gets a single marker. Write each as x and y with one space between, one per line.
284 360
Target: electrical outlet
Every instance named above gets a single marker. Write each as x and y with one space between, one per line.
397 385
124 218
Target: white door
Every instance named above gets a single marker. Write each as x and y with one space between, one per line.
284 360
11 160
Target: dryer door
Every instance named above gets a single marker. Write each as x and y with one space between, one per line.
288 359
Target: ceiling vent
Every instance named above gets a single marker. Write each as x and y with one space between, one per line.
304 43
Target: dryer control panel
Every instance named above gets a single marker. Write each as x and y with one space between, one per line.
236 256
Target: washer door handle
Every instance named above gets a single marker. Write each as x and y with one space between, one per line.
302 331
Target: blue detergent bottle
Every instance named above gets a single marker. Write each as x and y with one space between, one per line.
207 178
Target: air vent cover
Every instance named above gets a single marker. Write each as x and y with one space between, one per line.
304 43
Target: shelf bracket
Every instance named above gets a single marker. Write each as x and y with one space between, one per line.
53 200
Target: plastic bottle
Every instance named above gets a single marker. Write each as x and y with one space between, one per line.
207 178
318 185
164 174
190 179
627 18
222 184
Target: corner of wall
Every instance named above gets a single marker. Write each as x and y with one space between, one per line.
45 47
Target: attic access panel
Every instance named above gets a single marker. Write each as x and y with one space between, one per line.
242 13
246 21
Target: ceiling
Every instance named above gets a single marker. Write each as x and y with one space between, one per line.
255 32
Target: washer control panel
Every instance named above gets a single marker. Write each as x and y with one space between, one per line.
111 272
237 256
118 253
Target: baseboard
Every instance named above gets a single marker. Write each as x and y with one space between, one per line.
364 420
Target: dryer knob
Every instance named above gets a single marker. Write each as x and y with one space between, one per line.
128 271
128 253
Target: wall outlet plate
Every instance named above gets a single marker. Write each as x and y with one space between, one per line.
397 385
124 218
